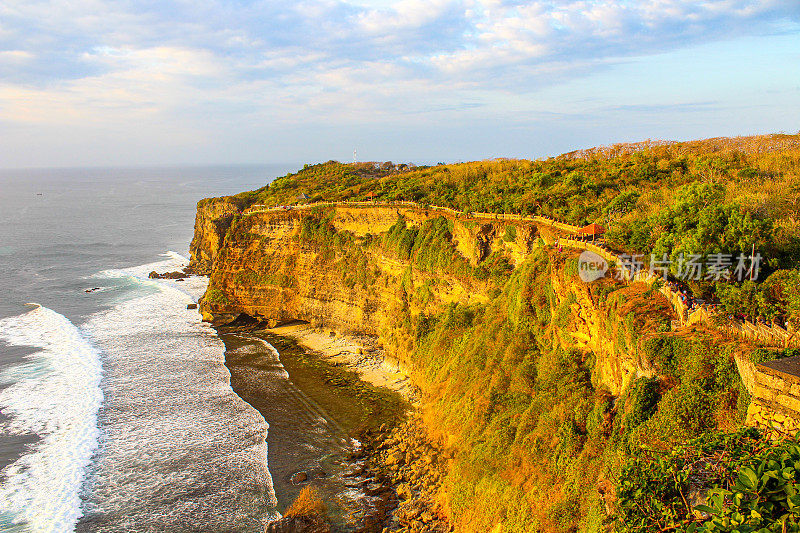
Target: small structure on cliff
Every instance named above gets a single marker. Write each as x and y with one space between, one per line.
592 230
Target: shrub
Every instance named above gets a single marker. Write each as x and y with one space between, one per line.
764 495
655 487
214 295
510 234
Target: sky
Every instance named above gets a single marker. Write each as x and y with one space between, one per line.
159 82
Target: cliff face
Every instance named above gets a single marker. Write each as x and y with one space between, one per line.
214 216
272 267
609 329
518 360
268 270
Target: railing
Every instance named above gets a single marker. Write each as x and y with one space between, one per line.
771 335
603 252
567 228
264 209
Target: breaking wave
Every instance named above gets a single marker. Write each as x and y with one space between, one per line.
180 451
55 395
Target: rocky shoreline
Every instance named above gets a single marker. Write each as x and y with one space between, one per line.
360 353
402 468
400 473
396 467
413 467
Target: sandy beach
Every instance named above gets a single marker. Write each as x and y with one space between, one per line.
359 354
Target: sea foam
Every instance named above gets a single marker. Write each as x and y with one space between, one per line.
56 395
180 451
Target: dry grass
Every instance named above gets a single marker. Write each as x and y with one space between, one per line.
751 144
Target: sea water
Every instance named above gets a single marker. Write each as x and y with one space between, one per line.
116 411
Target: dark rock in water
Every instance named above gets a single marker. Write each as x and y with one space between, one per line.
176 275
191 306
299 477
298 524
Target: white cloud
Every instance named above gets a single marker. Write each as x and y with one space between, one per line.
187 65
403 15
434 38
16 57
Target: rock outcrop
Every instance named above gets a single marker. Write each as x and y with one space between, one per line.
266 271
394 273
214 216
298 524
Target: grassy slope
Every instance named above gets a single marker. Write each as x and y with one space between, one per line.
700 197
537 443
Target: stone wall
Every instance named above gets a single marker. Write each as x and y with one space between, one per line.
776 422
775 391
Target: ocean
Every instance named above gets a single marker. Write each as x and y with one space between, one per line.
116 410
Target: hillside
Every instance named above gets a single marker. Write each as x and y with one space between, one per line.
550 394
730 196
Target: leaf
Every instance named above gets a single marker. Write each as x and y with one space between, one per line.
748 478
706 509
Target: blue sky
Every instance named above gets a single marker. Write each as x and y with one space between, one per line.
148 82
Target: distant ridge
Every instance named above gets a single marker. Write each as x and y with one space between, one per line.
750 144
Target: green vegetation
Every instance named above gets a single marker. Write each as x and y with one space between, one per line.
535 436
680 199
740 481
778 296
340 250
280 279
430 248
699 390
510 234
215 296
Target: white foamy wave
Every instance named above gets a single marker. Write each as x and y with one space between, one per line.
173 260
180 450
192 287
55 394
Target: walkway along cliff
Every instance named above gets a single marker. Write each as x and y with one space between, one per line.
272 268
537 384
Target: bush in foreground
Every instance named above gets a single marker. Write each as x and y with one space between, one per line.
720 482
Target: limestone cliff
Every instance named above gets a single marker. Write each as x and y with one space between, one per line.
213 218
520 363
269 268
266 270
